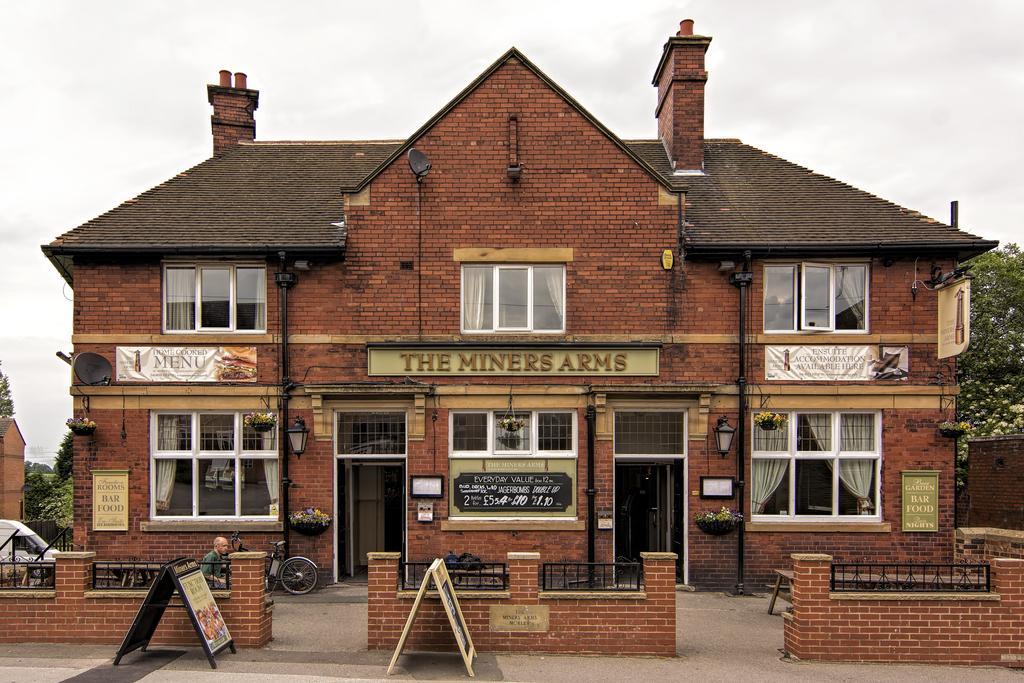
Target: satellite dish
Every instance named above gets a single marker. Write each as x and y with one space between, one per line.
92 369
419 163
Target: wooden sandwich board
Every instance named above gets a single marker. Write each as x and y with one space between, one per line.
186 578
438 574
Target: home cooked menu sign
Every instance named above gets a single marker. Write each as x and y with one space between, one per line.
512 487
186 363
836 363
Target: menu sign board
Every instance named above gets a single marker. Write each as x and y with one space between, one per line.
110 500
186 363
184 577
954 318
512 487
836 363
920 501
437 574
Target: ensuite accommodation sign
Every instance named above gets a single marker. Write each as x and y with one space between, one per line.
836 363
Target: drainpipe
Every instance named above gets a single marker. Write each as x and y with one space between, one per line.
741 280
285 281
591 491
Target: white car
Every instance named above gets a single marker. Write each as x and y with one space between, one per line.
26 546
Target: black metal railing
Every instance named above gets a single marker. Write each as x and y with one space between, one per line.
591 576
891 578
63 541
140 575
27 575
470 576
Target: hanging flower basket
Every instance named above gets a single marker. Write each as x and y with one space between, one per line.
769 421
954 430
310 521
511 423
260 422
718 523
81 426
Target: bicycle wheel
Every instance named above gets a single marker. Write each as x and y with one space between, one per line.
298 575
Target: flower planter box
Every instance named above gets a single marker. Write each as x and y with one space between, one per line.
716 528
310 529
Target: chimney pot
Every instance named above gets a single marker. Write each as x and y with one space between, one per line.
225 78
234 108
680 79
240 80
685 27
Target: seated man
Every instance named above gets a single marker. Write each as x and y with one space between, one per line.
213 563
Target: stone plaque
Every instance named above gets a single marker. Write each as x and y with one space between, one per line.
920 501
532 618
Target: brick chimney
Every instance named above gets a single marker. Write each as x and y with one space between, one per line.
680 79
233 110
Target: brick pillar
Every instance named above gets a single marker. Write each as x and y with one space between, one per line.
73 575
523 577
1008 580
810 588
383 621
252 625
660 588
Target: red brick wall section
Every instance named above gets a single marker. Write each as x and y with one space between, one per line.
598 623
985 544
73 612
995 479
905 628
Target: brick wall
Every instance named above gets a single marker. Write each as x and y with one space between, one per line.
12 473
982 544
595 623
995 481
906 627
73 612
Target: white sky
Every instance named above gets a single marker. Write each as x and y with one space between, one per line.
918 101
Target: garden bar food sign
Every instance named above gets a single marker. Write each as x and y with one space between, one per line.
186 363
920 501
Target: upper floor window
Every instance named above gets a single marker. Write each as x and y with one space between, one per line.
216 297
513 298
543 433
816 297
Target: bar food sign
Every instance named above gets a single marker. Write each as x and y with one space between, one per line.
186 363
836 363
110 500
920 501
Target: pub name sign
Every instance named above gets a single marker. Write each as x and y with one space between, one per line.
512 361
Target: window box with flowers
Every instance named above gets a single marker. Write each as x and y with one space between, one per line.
718 523
260 422
954 430
769 421
309 521
81 426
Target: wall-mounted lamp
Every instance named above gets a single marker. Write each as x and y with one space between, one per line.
297 435
723 435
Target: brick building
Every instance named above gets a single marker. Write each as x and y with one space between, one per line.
12 470
995 480
544 329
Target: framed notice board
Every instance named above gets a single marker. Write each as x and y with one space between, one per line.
512 487
920 500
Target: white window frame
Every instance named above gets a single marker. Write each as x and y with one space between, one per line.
799 296
836 455
653 456
195 455
198 267
533 451
404 412
495 271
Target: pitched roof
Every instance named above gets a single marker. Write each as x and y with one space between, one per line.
5 424
750 199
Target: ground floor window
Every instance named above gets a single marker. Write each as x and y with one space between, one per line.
211 465
546 433
818 465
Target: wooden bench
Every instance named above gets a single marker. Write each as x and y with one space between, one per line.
778 589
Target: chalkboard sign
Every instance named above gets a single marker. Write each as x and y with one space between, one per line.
437 574
184 577
510 492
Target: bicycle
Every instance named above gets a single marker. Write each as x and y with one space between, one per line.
296 574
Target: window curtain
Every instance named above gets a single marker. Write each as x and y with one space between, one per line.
856 476
180 286
551 281
818 436
165 470
273 477
850 297
768 475
476 283
774 440
857 432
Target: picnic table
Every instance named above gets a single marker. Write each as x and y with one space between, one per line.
779 590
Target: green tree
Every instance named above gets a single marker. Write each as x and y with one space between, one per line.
991 371
64 464
6 402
